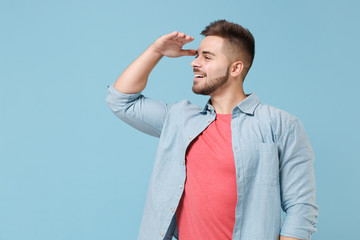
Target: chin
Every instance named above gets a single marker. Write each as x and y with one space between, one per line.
200 91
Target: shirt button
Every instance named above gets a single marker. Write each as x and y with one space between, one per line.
161 234
190 137
181 186
172 210
183 162
208 120
209 108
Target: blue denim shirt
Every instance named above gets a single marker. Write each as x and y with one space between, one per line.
273 161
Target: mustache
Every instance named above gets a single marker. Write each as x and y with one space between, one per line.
196 70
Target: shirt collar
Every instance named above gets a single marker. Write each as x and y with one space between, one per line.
248 105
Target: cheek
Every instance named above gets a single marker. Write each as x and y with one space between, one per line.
216 71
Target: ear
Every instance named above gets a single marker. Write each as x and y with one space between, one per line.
236 68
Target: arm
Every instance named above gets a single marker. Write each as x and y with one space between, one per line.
288 238
135 77
297 183
125 99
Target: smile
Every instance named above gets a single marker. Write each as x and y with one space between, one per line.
199 76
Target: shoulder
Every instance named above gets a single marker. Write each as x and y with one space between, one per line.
270 113
185 105
278 121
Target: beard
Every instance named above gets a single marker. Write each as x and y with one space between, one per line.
210 85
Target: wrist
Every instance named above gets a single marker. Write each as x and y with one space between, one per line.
154 51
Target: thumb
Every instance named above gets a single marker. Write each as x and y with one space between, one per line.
188 52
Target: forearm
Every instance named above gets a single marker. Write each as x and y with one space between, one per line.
135 76
288 238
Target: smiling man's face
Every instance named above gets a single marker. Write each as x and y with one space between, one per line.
211 66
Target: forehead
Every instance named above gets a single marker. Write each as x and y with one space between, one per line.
212 44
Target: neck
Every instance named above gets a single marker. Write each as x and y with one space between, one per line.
225 101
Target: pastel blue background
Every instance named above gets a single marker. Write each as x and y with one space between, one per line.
69 169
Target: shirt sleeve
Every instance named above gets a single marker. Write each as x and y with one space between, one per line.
297 183
145 114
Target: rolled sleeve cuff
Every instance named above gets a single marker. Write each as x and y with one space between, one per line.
117 94
297 227
118 102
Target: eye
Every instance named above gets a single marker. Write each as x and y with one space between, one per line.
207 58
196 54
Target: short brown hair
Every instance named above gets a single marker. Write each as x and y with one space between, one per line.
239 38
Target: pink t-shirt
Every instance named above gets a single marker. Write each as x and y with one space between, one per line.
207 207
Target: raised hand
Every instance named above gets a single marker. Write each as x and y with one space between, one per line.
135 76
170 45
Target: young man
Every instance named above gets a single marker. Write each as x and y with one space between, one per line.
224 171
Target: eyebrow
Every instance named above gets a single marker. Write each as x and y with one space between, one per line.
205 52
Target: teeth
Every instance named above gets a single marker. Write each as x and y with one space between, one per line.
199 76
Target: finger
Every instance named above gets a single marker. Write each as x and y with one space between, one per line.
188 52
188 39
172 35
181 36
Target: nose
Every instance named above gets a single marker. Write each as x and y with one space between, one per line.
195 63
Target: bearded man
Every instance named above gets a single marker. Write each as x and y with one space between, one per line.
226 170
